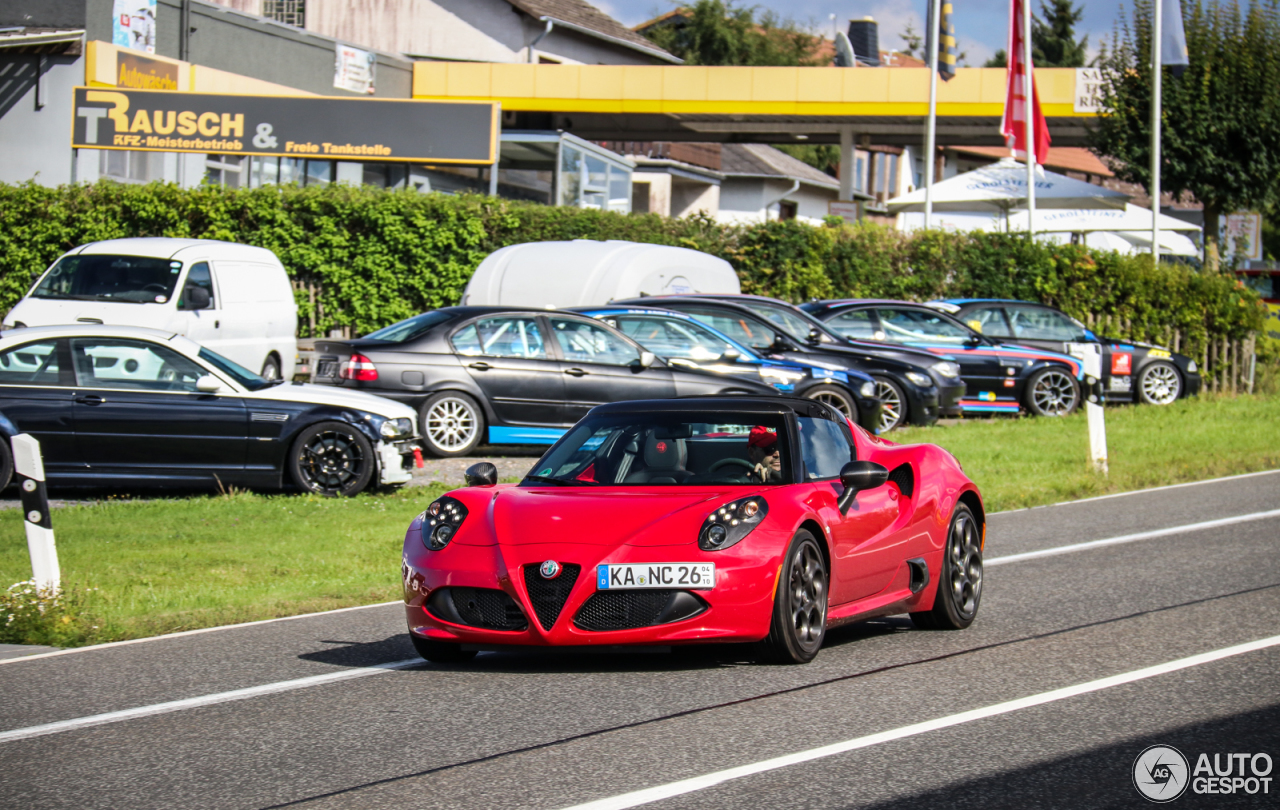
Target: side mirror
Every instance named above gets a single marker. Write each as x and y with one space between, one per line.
781 344
730 356
815 336
194 298
483 474
208 384
646 359
858 476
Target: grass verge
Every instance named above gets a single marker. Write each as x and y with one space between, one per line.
140 568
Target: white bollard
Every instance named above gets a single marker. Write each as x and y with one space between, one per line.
1091 354
28 465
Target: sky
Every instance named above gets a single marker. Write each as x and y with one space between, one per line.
982 26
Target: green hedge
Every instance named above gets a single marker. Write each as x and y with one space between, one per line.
362 258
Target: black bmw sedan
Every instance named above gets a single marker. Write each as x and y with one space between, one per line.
501 375
914 387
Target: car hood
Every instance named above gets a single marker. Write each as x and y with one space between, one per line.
54 312
337 397
598 516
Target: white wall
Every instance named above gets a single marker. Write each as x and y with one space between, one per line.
751 200
36 144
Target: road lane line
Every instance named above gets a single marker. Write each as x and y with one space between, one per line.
1137 492
180 634
203 700
1130 538
672 789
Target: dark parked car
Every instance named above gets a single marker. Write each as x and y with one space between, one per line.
999 377
1131 372
913 386
122 405
503 375
684 341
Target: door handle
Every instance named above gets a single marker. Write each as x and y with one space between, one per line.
481 366
90 399
575 372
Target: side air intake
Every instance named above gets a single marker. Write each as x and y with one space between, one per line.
904 478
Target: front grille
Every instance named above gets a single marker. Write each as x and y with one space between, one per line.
477 607
626 610
549 595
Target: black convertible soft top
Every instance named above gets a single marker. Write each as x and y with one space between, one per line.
725 404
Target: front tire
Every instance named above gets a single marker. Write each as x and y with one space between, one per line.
452 424
893 404
834 397
959 590
800 605
6 462
1052 392
332 459
1159 384
441 652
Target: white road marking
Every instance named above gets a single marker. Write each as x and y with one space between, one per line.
110 644
1138 492
203 700
1130 538
667 791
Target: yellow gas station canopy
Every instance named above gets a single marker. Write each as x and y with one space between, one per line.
755 104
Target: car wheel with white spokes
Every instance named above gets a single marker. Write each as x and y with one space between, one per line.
1052 392
452 424
893 404
1159 384
834 397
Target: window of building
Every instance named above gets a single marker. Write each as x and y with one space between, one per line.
224 170
289 12
131 167
787 210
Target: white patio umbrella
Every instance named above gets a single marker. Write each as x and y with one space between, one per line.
1003 186
1084 220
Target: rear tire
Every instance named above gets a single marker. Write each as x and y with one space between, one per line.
271 368
799 621
451 423
1159 384
6 463
441 652
959 589
332 459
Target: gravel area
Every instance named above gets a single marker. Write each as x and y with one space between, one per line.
511 463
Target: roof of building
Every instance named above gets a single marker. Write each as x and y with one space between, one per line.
582 13
760 160
36 39
1062 158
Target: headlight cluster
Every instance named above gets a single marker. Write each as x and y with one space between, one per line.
393 428
441 521
922 380
775 376
947 368
732 522
867 389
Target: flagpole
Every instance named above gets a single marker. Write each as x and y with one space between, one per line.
1156 100
1028 107
931 128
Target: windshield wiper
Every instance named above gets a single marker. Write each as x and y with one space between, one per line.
550 480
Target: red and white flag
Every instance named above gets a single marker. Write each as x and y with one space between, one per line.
1015 107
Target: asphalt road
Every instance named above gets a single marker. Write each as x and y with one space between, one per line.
1024 709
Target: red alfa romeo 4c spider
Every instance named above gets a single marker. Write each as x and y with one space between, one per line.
688 521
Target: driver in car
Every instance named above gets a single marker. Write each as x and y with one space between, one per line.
762 450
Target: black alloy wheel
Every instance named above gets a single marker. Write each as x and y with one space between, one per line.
332 459
1052 392
1159 384
893 404
441 652
800 607
959 590
452 424
270 368
6 462
835 397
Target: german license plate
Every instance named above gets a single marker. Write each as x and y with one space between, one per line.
327 368
692 576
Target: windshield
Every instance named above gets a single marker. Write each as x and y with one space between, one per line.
410 328
131 279
686 449
797 324
673 338
236 371
916 326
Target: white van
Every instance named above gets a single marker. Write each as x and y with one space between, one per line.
235 299
584 272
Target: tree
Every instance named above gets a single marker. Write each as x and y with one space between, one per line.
723 32
1053 36
1001 59
913 40
1221 118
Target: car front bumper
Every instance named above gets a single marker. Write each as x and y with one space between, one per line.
738 608
392 462
949 397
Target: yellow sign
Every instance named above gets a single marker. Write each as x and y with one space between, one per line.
141 73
